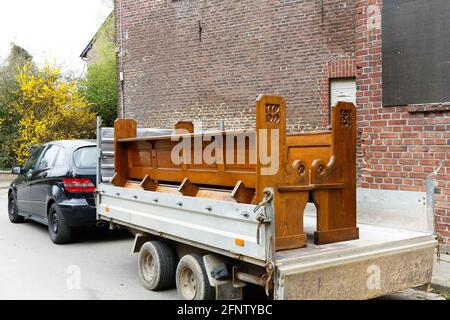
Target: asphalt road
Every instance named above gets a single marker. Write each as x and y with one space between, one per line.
99 266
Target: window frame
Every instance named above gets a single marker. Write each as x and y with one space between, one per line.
62 151
79 149
52 165
38 159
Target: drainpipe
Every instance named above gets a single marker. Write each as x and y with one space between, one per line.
121 72
122 94
432 228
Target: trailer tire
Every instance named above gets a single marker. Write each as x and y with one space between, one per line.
192 280
157 263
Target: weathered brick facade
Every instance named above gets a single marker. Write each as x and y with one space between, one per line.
209 60
401 145
175 72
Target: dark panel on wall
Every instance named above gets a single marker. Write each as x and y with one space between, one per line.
416 51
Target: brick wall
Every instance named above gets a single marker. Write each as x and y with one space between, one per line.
246 47
401 145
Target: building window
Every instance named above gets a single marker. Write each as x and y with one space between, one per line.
342 89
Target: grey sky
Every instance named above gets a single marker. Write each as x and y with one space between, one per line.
51 30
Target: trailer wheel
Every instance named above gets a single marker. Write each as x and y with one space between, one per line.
192 280
157 263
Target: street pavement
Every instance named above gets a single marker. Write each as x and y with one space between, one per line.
98 266
32 267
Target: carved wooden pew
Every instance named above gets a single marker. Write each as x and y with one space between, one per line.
317 167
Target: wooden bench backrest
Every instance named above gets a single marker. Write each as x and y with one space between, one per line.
140 157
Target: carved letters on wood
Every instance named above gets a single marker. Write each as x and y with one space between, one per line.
346 118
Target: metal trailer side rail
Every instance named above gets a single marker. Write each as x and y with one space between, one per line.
105 143
224 227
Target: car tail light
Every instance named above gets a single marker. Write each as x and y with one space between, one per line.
78 185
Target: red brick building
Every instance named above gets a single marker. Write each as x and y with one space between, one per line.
209 60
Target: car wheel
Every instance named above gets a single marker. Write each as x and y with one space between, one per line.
192 280
60 232
14 216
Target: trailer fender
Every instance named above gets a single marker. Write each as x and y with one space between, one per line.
139 240
212 262
225 288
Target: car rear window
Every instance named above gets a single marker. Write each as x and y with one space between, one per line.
85 157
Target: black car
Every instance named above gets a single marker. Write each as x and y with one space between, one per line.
56 187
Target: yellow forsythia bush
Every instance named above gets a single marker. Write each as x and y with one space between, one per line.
50 108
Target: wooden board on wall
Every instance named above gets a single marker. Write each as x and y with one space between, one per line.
416 51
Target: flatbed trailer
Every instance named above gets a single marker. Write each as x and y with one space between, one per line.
227 246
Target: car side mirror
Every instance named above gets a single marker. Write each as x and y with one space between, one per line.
17 170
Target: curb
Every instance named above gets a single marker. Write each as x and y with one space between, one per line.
441 275
440 289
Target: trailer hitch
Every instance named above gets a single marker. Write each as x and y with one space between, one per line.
265 281
268 277
262 217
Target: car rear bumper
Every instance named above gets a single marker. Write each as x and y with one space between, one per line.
78 215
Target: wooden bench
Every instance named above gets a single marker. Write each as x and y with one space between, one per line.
318 167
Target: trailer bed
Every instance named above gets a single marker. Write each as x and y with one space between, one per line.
382 261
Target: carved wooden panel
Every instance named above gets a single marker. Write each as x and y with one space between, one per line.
345 118
273 113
